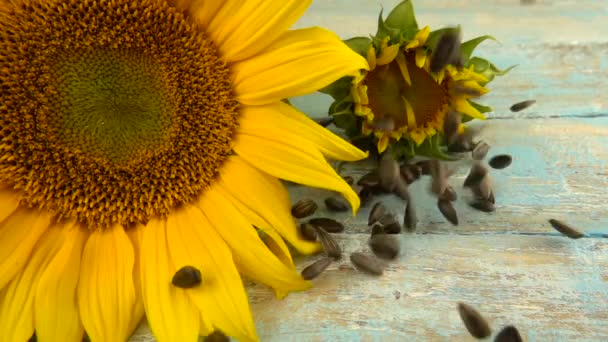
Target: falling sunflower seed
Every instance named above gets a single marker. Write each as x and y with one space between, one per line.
448 211
425 167
500 161
316 268
328 224
308 231
217 336
449 194
369 180
483 205
450 126
187 277
439 178
378 210
401 189
483 189
476 174
365 195
303 208
410 173
477 326
447 51
508 334
377 228
331 247
366 263
566 229
385 246
388 172
410 220
519 106
480 151
336 203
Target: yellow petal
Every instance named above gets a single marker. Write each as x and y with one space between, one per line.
9 201
250 254
203 11
19 232
170 313
418 137
409 113
17 303
281 118
297 63
294 159
462 105
265 197
243 29
403 68
106 291
371 57
56 312
221 297
423 35
383 143
420 58
135 234
388 54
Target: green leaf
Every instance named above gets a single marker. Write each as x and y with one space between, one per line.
339 89
481 108
385 31
479 64
467 47
486 68
359 44
431 148
402 17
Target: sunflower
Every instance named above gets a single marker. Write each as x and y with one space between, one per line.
398 100
141 138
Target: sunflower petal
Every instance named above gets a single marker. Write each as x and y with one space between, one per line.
106 291
170 313
56 311
293 158
135 235
221 297
281 117
266 198
388 54
463 106
17 303
9 202
403 68
420 58
297 63
203 11
383 143
371 57
250 254
243 29
19 232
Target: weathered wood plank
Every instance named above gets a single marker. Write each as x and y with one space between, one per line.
559 170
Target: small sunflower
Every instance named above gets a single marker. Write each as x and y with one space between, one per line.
138 137
399 101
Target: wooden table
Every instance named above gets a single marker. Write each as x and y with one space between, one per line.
509 264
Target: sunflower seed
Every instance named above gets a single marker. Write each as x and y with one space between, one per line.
369 180
476 174
187 277
425 167
508 334
410 220
566 229
384 124
449 194
447 51
336 203
387 218
308 231
477 326
410 173
500 161
519 106
388 171
365 195
450 126
392 228
366 263
316 268
491 197
384 246
217 336
480 151
303 208
378 210
377 228
448 211
401 189
331 247
483 189
349 180
328 224
325 121
438 174
461 89
483 205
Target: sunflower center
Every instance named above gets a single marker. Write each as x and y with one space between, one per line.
386 89
110 112
112 104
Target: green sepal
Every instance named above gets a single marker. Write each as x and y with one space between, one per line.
432 149
402 18
341 105
359 44
339 89
486 68
467 47
348 122
481 108
403 150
